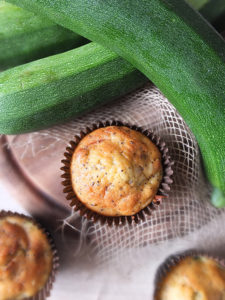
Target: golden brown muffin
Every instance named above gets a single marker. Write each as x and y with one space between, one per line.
194 278
25 258
116 171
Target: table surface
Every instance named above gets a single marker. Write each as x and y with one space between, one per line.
78 279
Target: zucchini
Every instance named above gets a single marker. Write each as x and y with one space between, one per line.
25 36
57 88
173 46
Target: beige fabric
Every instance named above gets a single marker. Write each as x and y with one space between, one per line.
187 208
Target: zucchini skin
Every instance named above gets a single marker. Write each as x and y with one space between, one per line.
57 88
173 46
25 37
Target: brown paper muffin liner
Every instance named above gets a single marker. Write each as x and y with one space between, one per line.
162 193
45 291
173 260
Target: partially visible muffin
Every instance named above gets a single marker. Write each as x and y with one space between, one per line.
26 258
193 278
116 171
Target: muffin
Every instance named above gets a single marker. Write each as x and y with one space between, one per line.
26 258
116 171
193 277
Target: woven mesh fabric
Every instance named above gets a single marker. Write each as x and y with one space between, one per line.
185 210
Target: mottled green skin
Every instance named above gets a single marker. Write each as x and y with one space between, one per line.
25 36
169 43
57 88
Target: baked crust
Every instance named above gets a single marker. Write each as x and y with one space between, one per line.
116 171
25 258
193 278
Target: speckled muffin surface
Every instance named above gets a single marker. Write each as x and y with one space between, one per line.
25 258
116 171
193 278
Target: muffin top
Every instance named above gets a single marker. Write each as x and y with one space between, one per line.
116 171
194 278
25 258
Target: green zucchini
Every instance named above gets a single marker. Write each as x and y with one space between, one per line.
25 36
173 46
57 88
34 80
